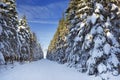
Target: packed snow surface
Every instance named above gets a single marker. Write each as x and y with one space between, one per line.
44 70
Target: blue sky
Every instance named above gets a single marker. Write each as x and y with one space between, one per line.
43 17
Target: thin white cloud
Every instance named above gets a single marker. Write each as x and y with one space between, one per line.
53 10
44 22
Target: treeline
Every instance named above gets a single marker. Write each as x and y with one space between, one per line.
17 42
91 42
57 45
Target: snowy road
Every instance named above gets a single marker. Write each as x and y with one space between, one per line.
43 70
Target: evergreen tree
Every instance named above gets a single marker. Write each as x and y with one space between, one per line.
58 44
24 38
97 36
30 48
35 48
93 41
8 24
15 35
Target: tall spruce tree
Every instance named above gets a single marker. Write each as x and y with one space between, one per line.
8 24
35 48
56 50
24 38
94 40
30 49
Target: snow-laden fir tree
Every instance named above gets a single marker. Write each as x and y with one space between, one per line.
15 37
24 38
8 28
95 38
30 49
56 49
35 48
93 41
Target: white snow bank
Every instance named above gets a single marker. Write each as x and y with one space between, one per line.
46 70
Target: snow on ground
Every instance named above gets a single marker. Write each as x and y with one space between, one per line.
43 70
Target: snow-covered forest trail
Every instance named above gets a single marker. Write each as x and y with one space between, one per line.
45 70
42 70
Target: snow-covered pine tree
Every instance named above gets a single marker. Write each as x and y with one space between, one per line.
24 39
35 48
77 33
8 26
56 49
105 33
30 49
94 43
15 37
